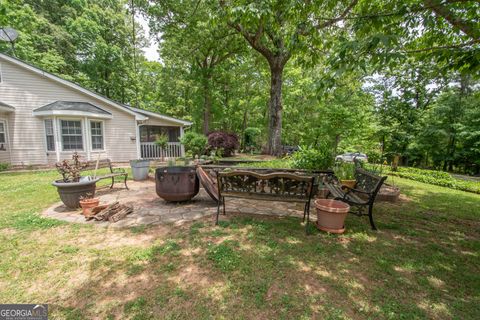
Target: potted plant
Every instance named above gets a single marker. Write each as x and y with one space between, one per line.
331 215
162 142
88 203
73 186
140 169
345 172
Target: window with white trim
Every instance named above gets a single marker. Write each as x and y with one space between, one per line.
72 138
3 138
49 135
96 132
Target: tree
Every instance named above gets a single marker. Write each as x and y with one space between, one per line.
188 34
279 30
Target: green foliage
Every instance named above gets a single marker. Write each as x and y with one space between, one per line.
251 137
344 170
434 177
4 166
194 143
310 158
162 141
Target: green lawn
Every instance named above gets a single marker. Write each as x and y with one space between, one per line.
423 263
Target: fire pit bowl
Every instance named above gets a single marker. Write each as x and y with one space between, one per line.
176 183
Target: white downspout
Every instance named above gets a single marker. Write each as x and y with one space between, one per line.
182 147
87 137
137 139
56 133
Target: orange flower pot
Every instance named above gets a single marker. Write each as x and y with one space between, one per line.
88 204
331 215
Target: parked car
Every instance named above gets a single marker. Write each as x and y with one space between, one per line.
351 156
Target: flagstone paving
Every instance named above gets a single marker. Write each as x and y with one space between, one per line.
149 209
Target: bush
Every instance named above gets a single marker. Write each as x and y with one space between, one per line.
4 166
345 171
194 143
310 158
223 141
251 136
438 178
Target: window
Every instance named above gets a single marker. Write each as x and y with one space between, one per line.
71 135
3 139
96 130
49 135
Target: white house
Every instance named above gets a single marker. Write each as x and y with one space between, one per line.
44 119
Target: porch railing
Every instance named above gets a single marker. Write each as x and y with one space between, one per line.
149 150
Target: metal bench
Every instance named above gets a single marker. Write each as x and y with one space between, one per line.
362 196
114 172
270 187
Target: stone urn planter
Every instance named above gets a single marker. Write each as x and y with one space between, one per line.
331 215
88 204
176 183
140 169
71 192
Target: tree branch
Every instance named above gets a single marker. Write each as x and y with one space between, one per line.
340 17
456 22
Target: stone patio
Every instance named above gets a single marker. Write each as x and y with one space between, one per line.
149 209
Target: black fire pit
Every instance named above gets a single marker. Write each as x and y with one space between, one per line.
176 183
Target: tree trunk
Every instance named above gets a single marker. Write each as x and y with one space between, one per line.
274 146
207 104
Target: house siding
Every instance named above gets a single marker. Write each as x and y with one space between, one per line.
26 90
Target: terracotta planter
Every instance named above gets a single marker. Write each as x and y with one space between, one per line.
88 204
348 183
331 215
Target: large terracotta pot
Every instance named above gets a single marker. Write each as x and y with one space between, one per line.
331 215
176 183
71 192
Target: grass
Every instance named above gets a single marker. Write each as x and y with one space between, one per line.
423 263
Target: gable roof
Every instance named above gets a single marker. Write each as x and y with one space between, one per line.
70 108
160 116
139 115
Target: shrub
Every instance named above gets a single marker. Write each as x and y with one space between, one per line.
251 136
162 141
226 142
71 170
194 143
345 171
438 178
310 158
4 166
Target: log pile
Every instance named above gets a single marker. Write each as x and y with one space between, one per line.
113 212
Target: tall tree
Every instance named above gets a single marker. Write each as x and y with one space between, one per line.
278 30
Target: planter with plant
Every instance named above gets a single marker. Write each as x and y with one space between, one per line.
73 186
345 172
88 203
162 143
